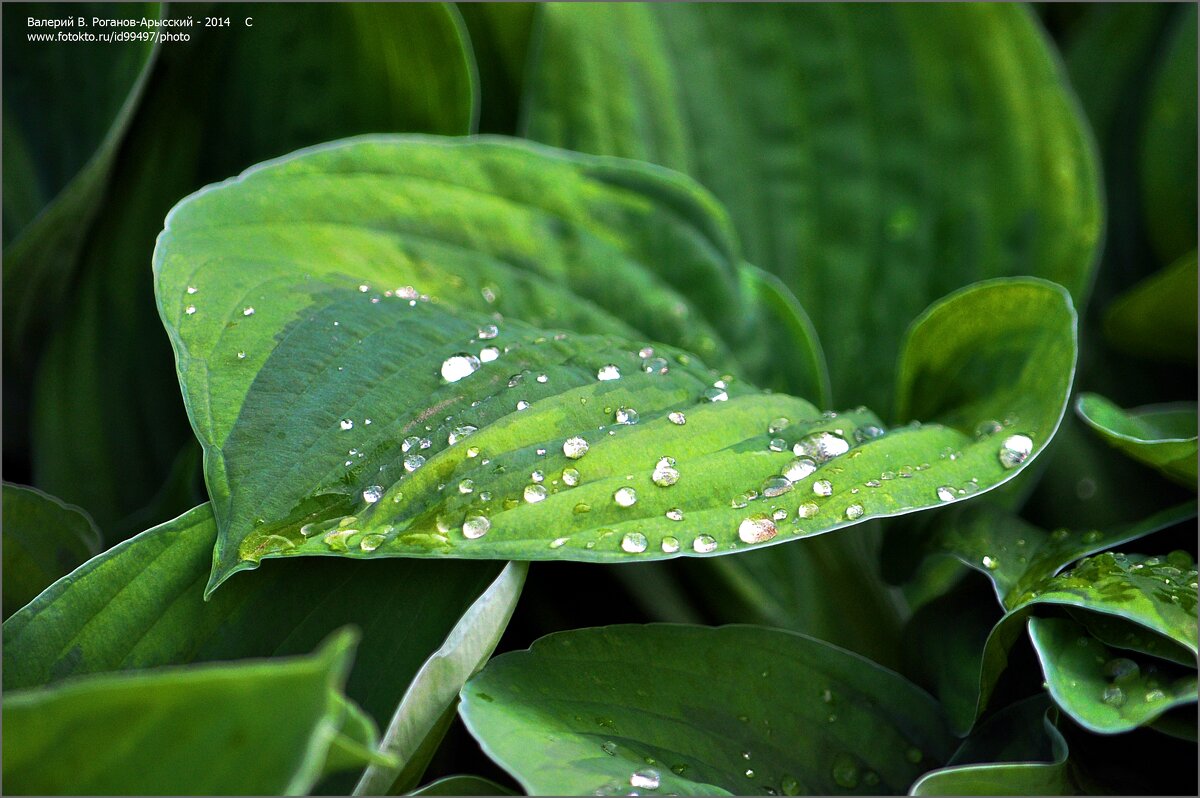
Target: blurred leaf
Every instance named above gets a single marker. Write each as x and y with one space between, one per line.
107 420
258 728
1017 751
1103 692
500 41
1162 437
1168 156
140 605
463 785
66 111
826 129
1157 317
691 710
44 538
434 690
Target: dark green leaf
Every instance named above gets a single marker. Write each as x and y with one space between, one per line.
43 539
1157 317
1168 157
140 605
463 785
1162 436
500 40
1103 690
700 711
827 129
1018 751
260 728
434 689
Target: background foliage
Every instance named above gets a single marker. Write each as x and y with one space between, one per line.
977 217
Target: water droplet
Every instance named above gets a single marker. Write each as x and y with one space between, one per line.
558 543
675 514
609 372
534 493
372 494
670 544
542 378
665 473
625 497
466 486
823 487
990 563
1154 695
608 747
570 477
626 415
634 542
522 405
241 355
749 773
190 310
346 423
676 417
191 289
247 311
488 354
476 527
537 476
777 444
779 514
412 462
1015 450
756 529
988 427
488 332
1114 696
788 785
866 433
854 511
1121 669
460 432
715 394
808 509
371 542
646 779
778 425
704 544
945 493
655 365
800 468
776 486
575 448
455 367
821 446
845 771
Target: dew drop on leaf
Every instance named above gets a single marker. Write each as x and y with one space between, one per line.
676 417
800 468
570 477
704 544
534 493
646 779
665 473
608 372
488 354
854 511
412 462
808 509
945 493
476 527
633 542
776 486
1015 450
670 544
346 423
624 497
372 494
756 529
823 487
574 448
460 365
488 332
371 542
626 415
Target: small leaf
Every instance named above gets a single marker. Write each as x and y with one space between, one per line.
1017 751
1161 436
1106 691
139 605
434 689
259 728
44 539
700 711
463 785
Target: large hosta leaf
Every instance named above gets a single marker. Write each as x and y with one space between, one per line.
875 158
1162 437
140 605
701 711
344 319
43 539
257 728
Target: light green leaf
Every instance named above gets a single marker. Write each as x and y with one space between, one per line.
44 538
1161 436
463 785
59 154
416 726
262 302
1103 690
1168 154
1007 755
139 605
826 129
257 728
700 711
107 422
1157 317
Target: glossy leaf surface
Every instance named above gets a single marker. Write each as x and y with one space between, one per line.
43 540
1162 437
691 710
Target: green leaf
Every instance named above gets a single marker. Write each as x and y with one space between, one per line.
44 538
320 479
258 728
1157 317
500 35
1104 692
140 605
59 153
1161 436
826 130
434 690
1168 156
1007 755
700 711
463 785
107 419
